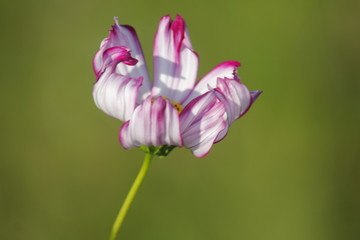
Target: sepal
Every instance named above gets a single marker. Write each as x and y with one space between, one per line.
161 151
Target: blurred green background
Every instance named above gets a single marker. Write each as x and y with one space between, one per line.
288 170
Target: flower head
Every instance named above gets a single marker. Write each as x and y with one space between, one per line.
174 110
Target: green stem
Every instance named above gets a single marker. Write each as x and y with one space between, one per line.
130 197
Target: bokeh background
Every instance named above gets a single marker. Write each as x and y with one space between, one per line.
289 169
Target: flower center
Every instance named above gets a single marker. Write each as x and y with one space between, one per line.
175 104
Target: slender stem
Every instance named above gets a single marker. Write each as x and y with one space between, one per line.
130 197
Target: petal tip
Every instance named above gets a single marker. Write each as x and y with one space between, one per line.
233 63
255 94
116 20
167 17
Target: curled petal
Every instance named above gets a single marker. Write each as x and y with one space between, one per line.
114 93
118 54
154 123
114 55
236 97
124 36
237 100
201 121
223 70
254 95
175 62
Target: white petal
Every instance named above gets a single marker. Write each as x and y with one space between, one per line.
116 95
237 97
237 100
223 70
154 123
175 62
201 121
125 36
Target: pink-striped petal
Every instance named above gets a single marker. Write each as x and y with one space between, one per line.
254 95
175 62
201 121
237 100
223 70
125 36
236 97
154 123
112 56
116 95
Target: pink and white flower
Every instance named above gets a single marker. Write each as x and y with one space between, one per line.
174 110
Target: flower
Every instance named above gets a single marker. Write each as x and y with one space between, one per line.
174 110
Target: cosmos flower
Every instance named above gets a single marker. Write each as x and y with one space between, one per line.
174 110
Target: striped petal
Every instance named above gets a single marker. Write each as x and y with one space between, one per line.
223 70
237 100
175 62
236 97
124 36
201 121
154 123
114 93
112 56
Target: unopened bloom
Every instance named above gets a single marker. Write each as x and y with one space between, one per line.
174 110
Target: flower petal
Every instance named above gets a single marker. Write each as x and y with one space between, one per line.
254 95
175 62
237 99
116 95
223 70
154 123
125 36
112 56
201 121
